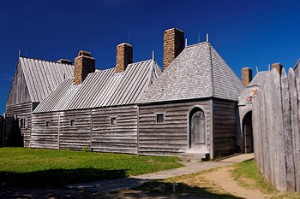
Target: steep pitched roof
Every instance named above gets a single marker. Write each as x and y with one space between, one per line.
198 72
103 88
258 80
42 77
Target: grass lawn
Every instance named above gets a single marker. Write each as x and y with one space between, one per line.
52 168
248 170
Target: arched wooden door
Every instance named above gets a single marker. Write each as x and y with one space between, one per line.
248 133
197 129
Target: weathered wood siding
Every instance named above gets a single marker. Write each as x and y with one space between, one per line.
78 135
225 121
43 136
119 138
90 129
276 129
12 127
18 93
171 136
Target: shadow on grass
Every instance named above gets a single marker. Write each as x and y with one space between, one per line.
57 178
158 189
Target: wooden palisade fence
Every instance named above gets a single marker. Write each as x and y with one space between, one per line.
276 124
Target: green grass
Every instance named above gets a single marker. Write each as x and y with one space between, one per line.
249 170
52 168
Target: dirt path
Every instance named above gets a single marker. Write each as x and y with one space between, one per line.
222 177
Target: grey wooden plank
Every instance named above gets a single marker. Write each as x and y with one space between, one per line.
296 135
290 124
280 169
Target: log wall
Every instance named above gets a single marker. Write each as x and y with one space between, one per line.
89 129
44 132
276 123
75 136
171 136
118 138
13 114
225 121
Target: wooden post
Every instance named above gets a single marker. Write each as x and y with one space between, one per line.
296 136
269 123
289 101
280 169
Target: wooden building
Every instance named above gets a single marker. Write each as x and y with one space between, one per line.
136 108
192 107
100 113
33 81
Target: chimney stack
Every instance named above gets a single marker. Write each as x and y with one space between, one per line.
124 57
84 64
246 76
278 67
173 45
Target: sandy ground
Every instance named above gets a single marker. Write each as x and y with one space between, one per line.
222 177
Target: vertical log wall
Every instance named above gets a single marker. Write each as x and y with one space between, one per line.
276 120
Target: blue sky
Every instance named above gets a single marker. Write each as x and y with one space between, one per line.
245 33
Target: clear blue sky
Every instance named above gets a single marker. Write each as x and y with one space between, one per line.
245 33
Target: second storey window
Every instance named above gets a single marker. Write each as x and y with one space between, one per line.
160 118
72 122
47 123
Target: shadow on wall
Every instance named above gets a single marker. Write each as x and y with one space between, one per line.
11 133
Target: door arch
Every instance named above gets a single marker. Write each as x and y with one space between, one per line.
248 133
197 132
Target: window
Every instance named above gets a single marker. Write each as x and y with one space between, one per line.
25 123
72 122
22 123
113 121
47 123
160 118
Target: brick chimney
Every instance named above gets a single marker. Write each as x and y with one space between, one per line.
173 45
246 76
277 66
84 64
124 57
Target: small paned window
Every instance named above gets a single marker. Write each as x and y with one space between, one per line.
160 118
72 122
113 121
47 123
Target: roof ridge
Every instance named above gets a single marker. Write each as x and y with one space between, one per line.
211 71
141 61
44 60
198 44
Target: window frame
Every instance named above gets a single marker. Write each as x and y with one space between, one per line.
113 121
72 122
160 117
